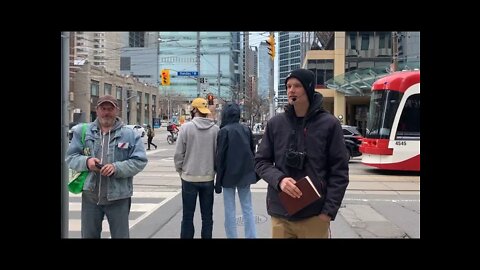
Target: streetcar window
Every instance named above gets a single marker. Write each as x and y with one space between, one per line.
383 107
409 124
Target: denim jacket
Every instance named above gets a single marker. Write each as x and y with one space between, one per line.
127 155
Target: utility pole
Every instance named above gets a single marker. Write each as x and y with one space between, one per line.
218 108
271 93
394 65
158 60
65 37
218 98
198 64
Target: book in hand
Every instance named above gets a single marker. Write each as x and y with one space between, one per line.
309 195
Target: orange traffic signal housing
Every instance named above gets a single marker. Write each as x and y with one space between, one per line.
210 99
165 77
271 46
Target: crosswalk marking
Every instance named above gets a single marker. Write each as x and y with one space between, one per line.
136 207
141 208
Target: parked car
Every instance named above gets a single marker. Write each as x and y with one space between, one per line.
137 128
353 139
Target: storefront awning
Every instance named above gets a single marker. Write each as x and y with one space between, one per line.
358 82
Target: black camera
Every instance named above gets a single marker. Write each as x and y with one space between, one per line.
98 165
295 159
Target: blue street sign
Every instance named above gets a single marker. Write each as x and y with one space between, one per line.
187 73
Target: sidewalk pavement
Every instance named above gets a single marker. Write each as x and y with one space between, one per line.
375 206
354 220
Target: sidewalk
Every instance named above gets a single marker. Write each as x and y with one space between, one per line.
356 218
374 206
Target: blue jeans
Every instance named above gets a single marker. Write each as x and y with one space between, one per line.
189 200
245 196
117 216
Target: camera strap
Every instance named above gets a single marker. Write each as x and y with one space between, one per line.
293 134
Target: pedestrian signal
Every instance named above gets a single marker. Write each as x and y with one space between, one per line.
165 76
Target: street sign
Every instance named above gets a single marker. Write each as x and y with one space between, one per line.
187 73
204 84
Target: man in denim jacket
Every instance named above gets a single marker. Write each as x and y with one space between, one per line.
113 154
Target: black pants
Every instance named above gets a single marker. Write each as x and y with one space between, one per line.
150 142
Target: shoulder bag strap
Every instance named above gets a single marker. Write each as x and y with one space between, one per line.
84 131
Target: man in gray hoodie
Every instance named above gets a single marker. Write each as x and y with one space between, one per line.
194 160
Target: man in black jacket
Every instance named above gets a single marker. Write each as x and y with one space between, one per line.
305 140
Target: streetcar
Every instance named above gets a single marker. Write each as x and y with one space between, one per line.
392 139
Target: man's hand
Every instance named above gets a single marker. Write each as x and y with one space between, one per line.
325 217
287 185
91 164
107 170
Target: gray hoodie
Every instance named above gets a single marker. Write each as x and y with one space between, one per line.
195 151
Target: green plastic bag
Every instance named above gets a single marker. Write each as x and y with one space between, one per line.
76 185
77 179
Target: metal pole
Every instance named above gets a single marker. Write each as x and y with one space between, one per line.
218 76
394 65
64 138
158 61
198 64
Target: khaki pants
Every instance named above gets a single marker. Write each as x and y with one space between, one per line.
312 227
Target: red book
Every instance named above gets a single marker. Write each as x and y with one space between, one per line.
309 195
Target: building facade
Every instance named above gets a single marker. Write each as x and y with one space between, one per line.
100 49
209 54
265 65
138 102
347 63
289 58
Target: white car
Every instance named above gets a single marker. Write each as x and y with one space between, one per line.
139 129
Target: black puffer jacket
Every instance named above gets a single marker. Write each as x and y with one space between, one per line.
320 136
235 151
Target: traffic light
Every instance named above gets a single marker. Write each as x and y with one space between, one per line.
210 99
271 46
165 77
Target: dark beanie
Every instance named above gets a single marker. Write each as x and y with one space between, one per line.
307 78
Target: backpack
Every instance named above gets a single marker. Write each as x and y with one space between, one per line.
170 128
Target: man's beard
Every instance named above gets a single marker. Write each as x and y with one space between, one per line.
107 121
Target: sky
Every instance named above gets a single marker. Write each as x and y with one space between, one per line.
255 39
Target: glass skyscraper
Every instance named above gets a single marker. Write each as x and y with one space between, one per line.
178 52
289 58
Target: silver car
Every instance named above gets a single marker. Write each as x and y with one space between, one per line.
137 128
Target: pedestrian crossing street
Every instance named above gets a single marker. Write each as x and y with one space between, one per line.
143 204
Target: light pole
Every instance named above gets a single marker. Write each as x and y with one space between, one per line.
126 111
65 39
160 40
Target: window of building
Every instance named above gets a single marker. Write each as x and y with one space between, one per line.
108 89
125 63
136 39
94 88
381 41
119 92
365 42
353 40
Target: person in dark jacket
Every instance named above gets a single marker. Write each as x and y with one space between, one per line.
150 135
305 140
235 170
